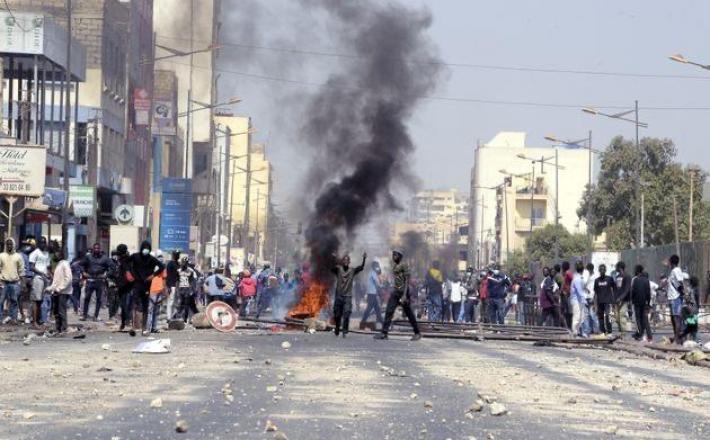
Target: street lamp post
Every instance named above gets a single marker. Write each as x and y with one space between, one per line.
637 124
579 144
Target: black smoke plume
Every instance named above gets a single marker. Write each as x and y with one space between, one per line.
357 122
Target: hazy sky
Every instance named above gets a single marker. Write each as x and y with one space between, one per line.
629 37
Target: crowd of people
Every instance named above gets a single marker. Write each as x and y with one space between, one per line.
136 290
581 297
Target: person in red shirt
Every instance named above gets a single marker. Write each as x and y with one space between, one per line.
483 294
247 291
566 288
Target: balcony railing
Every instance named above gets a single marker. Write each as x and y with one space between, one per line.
523 223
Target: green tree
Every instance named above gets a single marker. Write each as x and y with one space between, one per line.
614 205
540 248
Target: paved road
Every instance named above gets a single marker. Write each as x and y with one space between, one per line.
332 388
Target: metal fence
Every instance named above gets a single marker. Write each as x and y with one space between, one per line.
694 259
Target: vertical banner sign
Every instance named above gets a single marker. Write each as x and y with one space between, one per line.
82 199
141 104
175 214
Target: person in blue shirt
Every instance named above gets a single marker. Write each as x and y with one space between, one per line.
577 298
373 287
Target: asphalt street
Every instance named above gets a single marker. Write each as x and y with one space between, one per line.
229 386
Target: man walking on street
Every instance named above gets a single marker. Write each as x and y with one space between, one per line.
641 300
675 296
61 290
171 281
343 304
144 267
124 284
604 287
373 287
498 284
399 297
39 263
96 267
578 299
12 268
623 289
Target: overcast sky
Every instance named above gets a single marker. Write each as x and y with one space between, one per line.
629 37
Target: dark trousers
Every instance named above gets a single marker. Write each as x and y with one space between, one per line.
59 309
342 307
114 301
496 310
185 301
126 301
484 311
641 314
140 301
554 313
76 296
263 302
392 304
373 305
604 316
91 287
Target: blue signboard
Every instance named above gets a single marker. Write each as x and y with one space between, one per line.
175 214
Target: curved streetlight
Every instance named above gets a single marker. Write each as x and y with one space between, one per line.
678 58
637 124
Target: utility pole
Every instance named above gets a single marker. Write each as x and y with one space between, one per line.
675 226
638 172
643 216
247 202
67 122
691 173
532 199
589 190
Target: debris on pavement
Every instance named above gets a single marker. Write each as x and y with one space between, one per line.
156 403
270 426
498 409
154 346
181 426
285 345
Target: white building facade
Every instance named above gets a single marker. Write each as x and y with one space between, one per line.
510 197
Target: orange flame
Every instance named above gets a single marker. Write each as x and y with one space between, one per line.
313 300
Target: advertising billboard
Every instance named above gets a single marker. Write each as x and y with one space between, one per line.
22 170
175 214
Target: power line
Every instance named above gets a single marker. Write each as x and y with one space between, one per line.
449 98
461 65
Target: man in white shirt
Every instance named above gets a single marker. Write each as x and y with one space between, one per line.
590 323
675 294
61 289
39 264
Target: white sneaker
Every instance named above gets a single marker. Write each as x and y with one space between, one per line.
27 320
6 320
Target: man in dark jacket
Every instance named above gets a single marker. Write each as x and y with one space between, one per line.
399 297
604 287
623 289
641 300
144 267
171 282
343 304
96 267
124 283
498 285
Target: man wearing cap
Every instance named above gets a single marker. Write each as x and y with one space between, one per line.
399 297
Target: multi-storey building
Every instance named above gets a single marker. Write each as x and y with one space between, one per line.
511 195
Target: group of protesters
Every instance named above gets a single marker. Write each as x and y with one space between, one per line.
580 297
